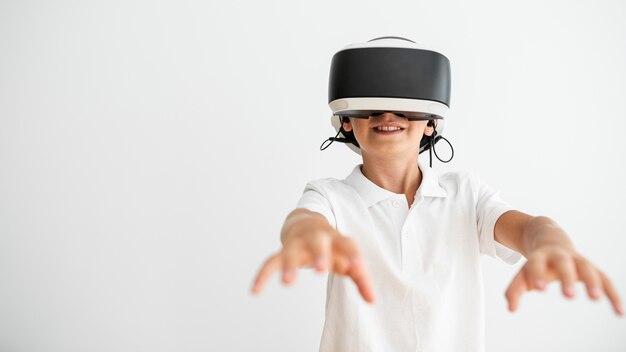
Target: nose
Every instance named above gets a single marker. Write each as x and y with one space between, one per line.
388 114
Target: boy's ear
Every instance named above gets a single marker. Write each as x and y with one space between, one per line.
430 128
347 126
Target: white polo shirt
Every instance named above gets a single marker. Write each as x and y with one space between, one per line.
423 260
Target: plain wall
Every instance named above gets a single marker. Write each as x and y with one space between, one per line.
150 151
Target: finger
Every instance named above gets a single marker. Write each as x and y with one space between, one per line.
345 250
611 293
347 246
271 265
566 271
294 254
590 276
320 248
350 262
359 274
517 287
341 264
536 271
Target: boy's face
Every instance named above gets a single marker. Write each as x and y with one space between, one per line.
388 143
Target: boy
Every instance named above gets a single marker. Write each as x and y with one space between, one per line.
410 239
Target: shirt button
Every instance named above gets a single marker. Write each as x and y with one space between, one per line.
396 203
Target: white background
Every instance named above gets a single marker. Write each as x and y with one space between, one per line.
150 151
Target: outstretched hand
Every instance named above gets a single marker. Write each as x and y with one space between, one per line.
319 245
550 263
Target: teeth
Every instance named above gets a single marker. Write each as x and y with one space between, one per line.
387 128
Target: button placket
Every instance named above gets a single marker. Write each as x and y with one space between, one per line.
408 251
398 212
411 250
407 244
404 231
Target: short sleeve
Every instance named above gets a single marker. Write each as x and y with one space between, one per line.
313 200
489 207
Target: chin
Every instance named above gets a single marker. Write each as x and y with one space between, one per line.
393 150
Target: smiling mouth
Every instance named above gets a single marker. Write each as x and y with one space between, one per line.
387 130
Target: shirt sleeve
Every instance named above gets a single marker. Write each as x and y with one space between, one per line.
489 207
313 200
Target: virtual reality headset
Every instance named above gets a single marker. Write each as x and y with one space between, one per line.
388 74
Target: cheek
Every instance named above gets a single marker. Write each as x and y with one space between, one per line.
418 132
359 128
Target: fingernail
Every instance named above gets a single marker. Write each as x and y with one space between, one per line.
255 288
288 274
320 263
569 289
596 292
540 284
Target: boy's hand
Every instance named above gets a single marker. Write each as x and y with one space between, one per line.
319 243
552 262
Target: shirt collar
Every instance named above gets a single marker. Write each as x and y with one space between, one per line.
371 193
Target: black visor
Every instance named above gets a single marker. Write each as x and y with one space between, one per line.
410 115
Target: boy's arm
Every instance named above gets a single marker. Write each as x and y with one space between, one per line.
523 232
551 256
